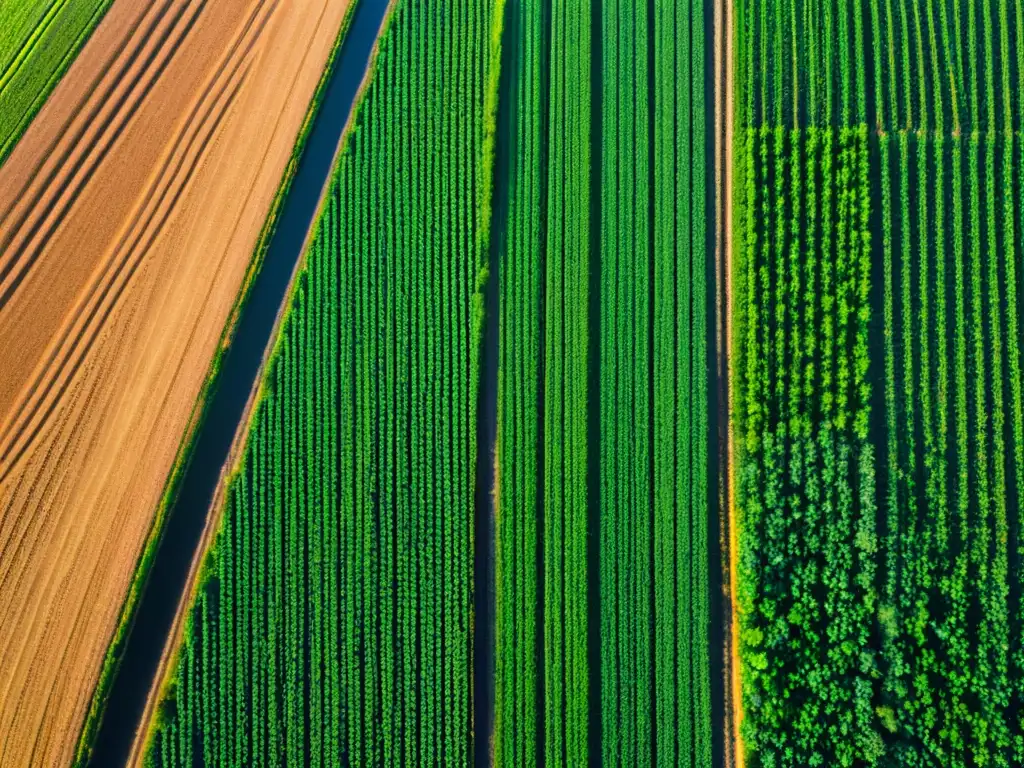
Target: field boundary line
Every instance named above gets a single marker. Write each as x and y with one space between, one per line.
233 465
725 117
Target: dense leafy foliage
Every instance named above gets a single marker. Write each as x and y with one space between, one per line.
806 478
881 499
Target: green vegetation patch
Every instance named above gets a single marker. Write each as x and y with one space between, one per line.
603 429
38 42
542 527
881 424
333 622
654 373
950 620
806 477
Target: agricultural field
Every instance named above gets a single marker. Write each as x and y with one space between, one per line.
544 383
602 495
879 201
806 476
38 42
332 624
334 617
653 378
541 456
950 218
116 287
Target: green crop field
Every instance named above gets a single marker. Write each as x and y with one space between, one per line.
879 200
333 620
806 474
541 457
603 391
38 42
524 230
654 502
334 616
950 218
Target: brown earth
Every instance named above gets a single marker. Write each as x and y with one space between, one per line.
129 213
233 464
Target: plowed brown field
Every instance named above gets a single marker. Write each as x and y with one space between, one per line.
128 217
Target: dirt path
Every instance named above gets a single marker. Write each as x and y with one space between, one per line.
724 117
128 216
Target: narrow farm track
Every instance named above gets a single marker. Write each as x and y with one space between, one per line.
115 285
724 50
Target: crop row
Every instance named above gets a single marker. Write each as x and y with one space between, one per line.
806 473
897 64
566 333
951 217
614 522
948 66
542 521
653 389
332 624
801 62
519 631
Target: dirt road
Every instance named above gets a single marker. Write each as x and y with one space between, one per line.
128 217
724 117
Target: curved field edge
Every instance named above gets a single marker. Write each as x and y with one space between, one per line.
199 411
205 558
18 74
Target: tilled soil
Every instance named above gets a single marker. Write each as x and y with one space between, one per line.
129 213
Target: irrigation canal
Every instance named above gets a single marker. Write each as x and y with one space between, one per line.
154 615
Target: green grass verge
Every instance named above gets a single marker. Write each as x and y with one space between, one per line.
38 42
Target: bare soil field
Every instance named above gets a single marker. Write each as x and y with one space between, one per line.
128 217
